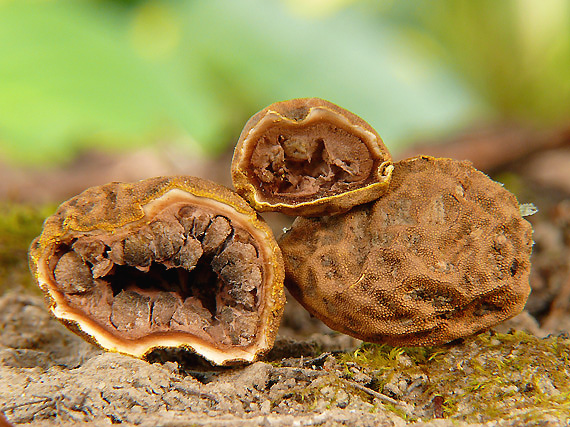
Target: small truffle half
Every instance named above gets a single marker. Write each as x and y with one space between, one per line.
309 157
164 262
445 253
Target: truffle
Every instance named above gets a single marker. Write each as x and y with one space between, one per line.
163 262
445 253
309 157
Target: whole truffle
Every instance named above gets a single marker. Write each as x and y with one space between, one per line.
309 157
163 262
442 255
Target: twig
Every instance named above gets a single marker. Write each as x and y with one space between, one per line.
19 405
372 393
495 147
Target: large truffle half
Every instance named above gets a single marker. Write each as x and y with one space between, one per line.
309 157
164 262
442 255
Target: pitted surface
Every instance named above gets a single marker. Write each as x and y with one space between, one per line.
445 253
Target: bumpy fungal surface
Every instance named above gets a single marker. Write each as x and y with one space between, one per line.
309 157
164 262
444 254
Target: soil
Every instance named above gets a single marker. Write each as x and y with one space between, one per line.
515 374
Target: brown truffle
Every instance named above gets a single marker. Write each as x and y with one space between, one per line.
164 262
309 157
442 255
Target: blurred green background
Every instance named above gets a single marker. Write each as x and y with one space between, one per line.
117 75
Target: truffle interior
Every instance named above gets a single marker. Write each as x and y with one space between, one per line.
188 270
292 160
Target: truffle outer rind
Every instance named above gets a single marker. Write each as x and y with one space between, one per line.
296 112
443 255
106 208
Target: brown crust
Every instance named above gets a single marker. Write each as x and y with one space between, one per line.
444 254
113 205
296 111
298 108
107 208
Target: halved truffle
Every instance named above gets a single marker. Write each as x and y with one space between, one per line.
164 262
309 157
444 254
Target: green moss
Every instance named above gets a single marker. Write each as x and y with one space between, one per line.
308 395
398 411
385 357
19 224
487 377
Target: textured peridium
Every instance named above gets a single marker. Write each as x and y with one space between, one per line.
191 269
444 254
300 151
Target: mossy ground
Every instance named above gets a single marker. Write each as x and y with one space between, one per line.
492 376
19 225
516 378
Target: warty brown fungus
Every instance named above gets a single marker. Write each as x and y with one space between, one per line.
309 157
443 254
163 262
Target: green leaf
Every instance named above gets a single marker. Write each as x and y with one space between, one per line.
70 75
